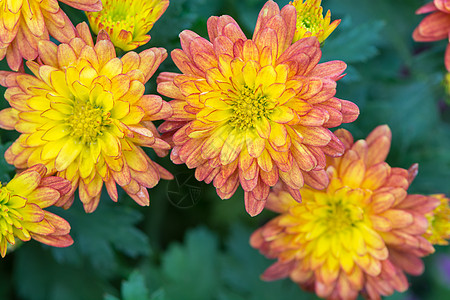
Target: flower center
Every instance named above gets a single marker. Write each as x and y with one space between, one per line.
118 14
247 108
340 214
88 122
309 21
9 217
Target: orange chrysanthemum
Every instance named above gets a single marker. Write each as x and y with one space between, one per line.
22 214
438 231
310 20
23 23
359 235
85 116
127 21
435 26
254 111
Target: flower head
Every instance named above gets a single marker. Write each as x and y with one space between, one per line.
23 23
435 26
126 21
22 214
357 236
254 111
85 116
310 20
438 231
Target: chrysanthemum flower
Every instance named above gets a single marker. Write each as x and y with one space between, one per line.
435 26
23 23
22 214
254 111
126 21
85 116
438 231
360 235
310 20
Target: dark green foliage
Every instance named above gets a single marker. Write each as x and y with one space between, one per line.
100 235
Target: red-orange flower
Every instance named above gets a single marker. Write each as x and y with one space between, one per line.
435 26
358 236
23 23
84 115
22 214
254 111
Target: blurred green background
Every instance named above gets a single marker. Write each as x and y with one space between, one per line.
189 244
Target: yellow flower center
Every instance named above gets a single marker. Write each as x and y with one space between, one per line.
339 211
342 216
247 108
115 12
310 20
88 121
9 216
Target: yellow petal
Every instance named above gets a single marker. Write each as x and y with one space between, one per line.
69 152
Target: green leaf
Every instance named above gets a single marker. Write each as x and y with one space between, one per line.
191 269
37 276
353 44
98 235
134 288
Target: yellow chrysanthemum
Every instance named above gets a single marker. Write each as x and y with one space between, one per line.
23 23
22 214
127 21
254 111
310 20
438 231
357 236
85 116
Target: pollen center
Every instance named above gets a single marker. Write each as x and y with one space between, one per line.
88 122
341 215
9 216
247 108
309 21
119 14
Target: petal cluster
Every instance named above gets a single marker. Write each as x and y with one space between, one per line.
126 21
253 112
84 115
311 22
358 236
23 23
22 214
438 231
435 26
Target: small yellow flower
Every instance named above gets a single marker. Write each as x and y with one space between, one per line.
359 235
23 23
85 116
22 214
127 21
438 231
310 20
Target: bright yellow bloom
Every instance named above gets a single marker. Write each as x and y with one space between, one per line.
23 23
22 214
85 116
254 111
439 222
310 20
127 21
357 236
